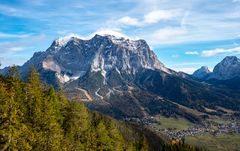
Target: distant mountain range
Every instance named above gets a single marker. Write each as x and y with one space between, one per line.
123 78
225 74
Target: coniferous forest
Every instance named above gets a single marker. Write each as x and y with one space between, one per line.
33 116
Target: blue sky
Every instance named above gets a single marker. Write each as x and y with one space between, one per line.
185 34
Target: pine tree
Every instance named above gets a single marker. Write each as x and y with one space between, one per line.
14 134
51 127
34 91
53 100
103 140
78 125
18 85
117 141
64 107
35 116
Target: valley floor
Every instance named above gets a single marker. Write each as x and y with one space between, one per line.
179 128
221 142
214 135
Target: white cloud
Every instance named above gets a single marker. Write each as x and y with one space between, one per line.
101 31
15 49
158 15
11 11
7 35
167 35
20 50
191 53
219 51
129 21
150 18
188 67
106 31
8 61
189 64
188 70
67 36
11 47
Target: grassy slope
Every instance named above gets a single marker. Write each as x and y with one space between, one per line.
173 123
224 142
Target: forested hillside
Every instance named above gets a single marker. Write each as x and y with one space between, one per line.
34 116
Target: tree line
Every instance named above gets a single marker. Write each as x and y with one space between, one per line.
33 116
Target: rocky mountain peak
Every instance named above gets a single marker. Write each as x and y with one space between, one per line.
202 72
228 68
58 43
230 60
71 57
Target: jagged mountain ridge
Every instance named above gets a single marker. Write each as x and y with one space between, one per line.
228 68
72 58
123 78
225 74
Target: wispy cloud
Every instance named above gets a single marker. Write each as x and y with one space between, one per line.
8 61
10 47
167 35
236 1
7 35
188 67
129 21
105 31
188 70
220 51
12 11
189 64
215 52
158 15
19 51
151 17
15 49
191 53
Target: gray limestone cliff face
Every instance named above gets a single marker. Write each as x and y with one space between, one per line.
71 58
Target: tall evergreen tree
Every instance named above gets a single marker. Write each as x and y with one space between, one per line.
64 107
14 134
78 125
117 141
103 140
53 134
35 95
18 85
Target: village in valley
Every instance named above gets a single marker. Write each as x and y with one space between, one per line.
208 127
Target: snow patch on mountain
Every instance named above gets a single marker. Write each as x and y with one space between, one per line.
64 40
